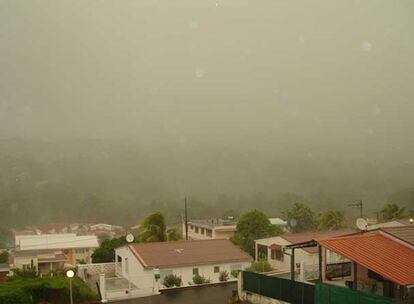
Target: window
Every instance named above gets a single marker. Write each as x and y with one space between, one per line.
209 232
119 259
262 252
277 254
236 267
202 230
196 229
216 269
195 271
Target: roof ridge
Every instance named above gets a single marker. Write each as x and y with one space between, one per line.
178 241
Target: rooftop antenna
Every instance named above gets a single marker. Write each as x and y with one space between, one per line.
362 224
360 205
186 219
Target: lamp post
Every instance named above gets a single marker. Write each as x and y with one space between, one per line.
70 275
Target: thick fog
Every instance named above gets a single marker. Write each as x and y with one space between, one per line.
157 99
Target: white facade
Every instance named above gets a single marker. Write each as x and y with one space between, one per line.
281 262
130 268
202 231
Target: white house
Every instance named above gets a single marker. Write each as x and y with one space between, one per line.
138 263
210 229
50 252
272 250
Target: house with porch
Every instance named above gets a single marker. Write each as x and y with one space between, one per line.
49 253
273 250
146 265
380 261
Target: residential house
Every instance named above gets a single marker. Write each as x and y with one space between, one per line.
210 229
272 250
50 252
139 263
381 261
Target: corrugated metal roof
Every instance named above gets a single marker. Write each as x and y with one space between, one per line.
180 253
381 254
404 233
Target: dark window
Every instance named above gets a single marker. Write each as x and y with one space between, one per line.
195 271
216 269
119 259
196 229
262 252
277 254
202 230
374 275
209 232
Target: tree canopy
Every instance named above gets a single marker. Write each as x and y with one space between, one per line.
106 251
332 220
253 225
301 218
392 211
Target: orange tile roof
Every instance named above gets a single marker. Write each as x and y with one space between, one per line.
180 253
377 252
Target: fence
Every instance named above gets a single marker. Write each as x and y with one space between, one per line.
338 270
88 270
328 294
278 288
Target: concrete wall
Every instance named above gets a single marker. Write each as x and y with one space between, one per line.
207 294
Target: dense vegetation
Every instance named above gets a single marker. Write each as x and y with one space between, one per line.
122 181
47 290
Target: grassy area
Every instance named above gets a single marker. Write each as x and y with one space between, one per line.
45 290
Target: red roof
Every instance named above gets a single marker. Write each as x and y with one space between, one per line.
275 247
379 253
179 253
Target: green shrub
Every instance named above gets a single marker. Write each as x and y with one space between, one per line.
224 276
235 273
198 279
260 266
44 290
172 280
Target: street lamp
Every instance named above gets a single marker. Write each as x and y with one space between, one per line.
70 275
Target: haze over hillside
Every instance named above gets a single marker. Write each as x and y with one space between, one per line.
231 102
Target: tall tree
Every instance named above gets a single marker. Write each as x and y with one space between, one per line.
253 225
392 211
154 229
301 218
105 253
332 220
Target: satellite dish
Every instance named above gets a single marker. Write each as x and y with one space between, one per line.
129 238
362 224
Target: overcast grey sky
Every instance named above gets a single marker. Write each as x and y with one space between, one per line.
318 74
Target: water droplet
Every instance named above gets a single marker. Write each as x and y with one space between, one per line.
366 46
200 73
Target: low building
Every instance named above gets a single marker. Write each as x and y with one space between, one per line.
210 229
48 253
138 263
272 250
380 262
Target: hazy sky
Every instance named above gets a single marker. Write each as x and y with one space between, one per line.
320 74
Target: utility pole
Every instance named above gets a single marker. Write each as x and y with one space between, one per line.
186 219
360 205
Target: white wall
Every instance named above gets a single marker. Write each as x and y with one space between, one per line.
300 255
144 278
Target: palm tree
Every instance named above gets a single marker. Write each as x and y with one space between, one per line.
332 220
392 212
154 229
